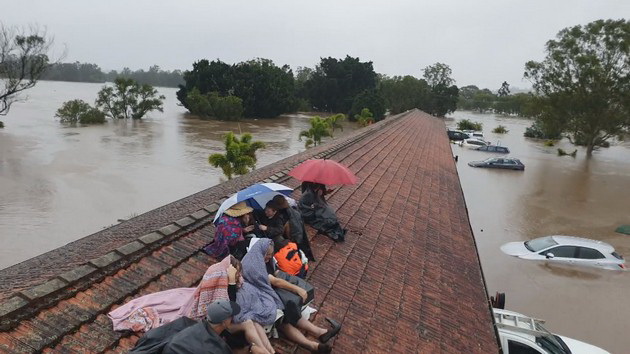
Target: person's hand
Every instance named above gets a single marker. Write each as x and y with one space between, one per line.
303 294
262 227
231 271
249 228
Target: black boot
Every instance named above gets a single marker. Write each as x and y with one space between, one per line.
336 327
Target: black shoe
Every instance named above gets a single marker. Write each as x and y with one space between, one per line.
323 348
336 327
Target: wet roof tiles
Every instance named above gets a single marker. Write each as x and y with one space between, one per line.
407 279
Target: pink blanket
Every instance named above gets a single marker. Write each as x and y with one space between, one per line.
153 310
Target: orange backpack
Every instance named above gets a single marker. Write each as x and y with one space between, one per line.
289 260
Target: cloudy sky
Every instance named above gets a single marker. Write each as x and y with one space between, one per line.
485 42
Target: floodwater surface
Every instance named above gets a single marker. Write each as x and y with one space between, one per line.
553 196
60 183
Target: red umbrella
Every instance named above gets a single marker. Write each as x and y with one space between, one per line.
323 171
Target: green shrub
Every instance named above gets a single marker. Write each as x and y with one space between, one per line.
500 130
365 118
466 124
213 105
539 131
79 111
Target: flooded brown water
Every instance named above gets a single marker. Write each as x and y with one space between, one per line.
58 184
554 195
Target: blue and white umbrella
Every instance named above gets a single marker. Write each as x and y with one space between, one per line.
256 196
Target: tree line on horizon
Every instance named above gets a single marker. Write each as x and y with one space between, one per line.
88 72
581 88
259 88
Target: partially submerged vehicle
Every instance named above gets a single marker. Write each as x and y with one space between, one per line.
507 163
494 148
474 134
473 143
523 334
456 135
567 250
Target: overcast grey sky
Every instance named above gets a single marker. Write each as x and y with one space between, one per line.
485 42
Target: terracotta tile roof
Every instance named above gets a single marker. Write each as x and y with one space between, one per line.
407 279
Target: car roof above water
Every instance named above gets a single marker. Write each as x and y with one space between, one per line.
581 241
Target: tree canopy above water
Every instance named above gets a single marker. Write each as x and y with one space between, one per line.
583 84
265 89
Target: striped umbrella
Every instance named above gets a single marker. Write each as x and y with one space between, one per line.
256 196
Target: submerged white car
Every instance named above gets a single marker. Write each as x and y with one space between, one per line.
522 334
568 250
473 143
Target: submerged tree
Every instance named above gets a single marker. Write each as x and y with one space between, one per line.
583 83
23 60
128 99
78 111
239 157
444 93
319 129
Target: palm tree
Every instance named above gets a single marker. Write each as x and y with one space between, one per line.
319 128
365 118
239 157
334 122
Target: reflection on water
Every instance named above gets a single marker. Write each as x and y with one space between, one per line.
554 195
58 184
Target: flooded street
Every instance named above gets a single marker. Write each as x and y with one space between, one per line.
59 183
554 195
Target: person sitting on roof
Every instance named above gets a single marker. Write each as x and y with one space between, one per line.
166 312
289 259
295 224
230 228
270 223
260 303
206 336
317 213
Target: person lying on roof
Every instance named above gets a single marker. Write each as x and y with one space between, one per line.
317 213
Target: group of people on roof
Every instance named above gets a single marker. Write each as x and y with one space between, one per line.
257 285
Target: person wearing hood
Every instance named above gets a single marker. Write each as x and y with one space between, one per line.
260 303
293 220
318 213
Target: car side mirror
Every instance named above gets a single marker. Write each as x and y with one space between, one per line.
549 255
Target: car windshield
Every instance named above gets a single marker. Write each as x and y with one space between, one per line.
492 159
551 345
617 255
538 244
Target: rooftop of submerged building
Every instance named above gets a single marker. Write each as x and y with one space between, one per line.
406 279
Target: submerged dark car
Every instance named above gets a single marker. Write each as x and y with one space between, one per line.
456 135
506 163
494 148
